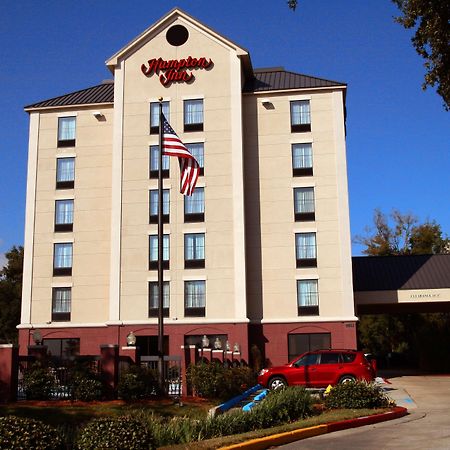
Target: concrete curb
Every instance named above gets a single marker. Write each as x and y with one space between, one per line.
296 435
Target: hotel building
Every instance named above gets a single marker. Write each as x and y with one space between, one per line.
259 256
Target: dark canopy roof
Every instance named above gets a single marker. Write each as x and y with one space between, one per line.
380 273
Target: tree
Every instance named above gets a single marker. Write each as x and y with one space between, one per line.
431 20
405 236
10 294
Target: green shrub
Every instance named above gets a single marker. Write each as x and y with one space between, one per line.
280 406
28 434
85 384
205 379
356 395
216 381
38 382
235 381
176 430
124 433
138 382
87 389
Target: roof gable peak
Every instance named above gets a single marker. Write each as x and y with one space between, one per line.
161 24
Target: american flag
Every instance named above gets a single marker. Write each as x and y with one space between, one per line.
189 167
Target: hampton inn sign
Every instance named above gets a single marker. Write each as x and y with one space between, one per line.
174 70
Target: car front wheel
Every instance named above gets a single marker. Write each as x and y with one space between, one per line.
277 383
347 379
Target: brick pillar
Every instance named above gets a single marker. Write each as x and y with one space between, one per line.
229 358
109 359
189 355
218 355
9 358
132 353
39 352
205 354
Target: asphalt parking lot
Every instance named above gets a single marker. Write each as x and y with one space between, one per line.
427 426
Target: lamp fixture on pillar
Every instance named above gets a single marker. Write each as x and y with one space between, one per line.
205 341
217 344
37 337
236 348
131 339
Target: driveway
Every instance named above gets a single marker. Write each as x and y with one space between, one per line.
427 398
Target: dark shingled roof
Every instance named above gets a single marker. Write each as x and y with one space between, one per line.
277 78
103 93
386 273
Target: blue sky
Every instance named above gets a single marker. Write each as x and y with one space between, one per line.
398 136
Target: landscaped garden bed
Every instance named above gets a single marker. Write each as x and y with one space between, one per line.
163 423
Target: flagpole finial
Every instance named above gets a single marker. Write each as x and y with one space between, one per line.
160 99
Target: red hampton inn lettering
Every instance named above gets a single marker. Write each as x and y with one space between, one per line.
174 70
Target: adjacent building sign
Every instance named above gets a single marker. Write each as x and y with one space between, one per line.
175 70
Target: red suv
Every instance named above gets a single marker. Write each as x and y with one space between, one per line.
319 369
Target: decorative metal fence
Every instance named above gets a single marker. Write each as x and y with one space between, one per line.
61 373
172 370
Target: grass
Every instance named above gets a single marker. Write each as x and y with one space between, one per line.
325 417
74 414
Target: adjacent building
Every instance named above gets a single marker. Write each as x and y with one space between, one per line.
258 258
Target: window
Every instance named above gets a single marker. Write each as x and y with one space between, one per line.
62 259
153 299
302 163
153 253
62 348
148 345
61 304
305 249
300 116
154 205
154 163
302 343
65 173
307 298
193 115
154 115
307 360
304 204
66 131
330 358
194 250
197 151
194 206
194 298
63 215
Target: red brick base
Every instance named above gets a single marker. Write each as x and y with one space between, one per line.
271 340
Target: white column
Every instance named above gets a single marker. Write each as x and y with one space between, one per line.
30 218
116 192
237 161
348 307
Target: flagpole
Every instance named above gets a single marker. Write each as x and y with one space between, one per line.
161 366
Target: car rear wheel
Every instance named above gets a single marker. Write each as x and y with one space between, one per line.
277 383
347 379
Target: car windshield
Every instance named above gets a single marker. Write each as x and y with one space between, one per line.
306 360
